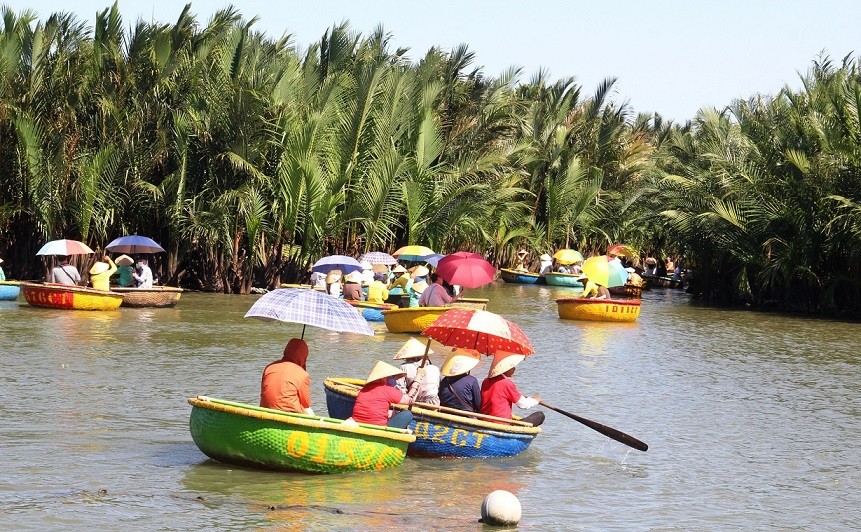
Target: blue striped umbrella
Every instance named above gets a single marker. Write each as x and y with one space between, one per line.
337 262
309 307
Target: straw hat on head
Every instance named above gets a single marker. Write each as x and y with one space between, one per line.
124 260
334 275
504 361
413 348
420 286
399 269
522 252
353 277
383 370
546 257
460 361
99 267
420 271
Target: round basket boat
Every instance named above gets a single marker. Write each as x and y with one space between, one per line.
412 320
516 277
157 296
9 290
247 435
563 279
441 431
631 291
598 309
67 297
371 311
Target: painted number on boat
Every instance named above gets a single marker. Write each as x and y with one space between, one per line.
41 297
621 309
340 452
442 435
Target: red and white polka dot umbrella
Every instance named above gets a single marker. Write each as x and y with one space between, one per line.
481 330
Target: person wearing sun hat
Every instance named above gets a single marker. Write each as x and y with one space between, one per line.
353 286
100 274
367 273
521 260
374 400
498 391
401 283
458 389
546 265
377 290
333 283
592 290
124 271
421 382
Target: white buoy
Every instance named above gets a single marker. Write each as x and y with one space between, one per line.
500 508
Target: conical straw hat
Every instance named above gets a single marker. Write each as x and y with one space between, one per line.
413 348
124 260
504 361
460 361
383 370
99 267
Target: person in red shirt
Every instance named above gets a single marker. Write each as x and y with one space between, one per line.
498 391
285 384
378 394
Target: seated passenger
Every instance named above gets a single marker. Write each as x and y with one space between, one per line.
498 391
100 274
285 384
458 389
353 286
420 382
402 280
373 403
436 295
377 291
592 290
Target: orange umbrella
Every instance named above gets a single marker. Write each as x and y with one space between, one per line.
622 250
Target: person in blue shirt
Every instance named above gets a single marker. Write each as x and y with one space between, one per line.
458 389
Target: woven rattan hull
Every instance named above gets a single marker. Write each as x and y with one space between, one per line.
411 320
157 296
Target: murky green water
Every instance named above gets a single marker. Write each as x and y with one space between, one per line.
752 420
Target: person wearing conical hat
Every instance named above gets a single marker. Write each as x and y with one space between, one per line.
378 291
521 261
285 384
124 271
419 381
416 291
353 286
402 281
333 283
100 274
458 389
592 290
498 391
367 273
374 400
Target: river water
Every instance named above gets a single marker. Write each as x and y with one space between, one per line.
753 421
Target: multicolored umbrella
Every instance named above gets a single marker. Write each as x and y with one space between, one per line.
466 269
337 262
134 244
378 257
481 330
309 307
568 256
622 250
605 271
64 247
413 253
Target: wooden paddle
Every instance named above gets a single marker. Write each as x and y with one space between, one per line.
610 432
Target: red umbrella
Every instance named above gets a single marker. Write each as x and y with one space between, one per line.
469 270
481 330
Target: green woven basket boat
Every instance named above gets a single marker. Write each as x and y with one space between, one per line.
238 433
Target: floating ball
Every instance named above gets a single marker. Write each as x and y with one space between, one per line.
500 508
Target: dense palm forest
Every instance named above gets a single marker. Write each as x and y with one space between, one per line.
248 158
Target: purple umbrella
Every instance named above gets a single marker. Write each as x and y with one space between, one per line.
134 244
434 259
337 262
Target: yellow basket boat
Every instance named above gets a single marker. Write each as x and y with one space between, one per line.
598 309
61 296
157 296
476 303
411 320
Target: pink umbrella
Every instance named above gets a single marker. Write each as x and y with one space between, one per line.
65 247
466 269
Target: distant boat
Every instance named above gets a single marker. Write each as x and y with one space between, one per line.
563 279
516 277
653 281
157 296
9 290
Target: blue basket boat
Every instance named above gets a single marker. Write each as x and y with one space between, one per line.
441 431
9 290
563 279
513 276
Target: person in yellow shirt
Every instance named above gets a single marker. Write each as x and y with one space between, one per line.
592 290
100 273
377 291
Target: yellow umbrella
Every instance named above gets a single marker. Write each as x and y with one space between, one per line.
568 256
413 253
605 272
